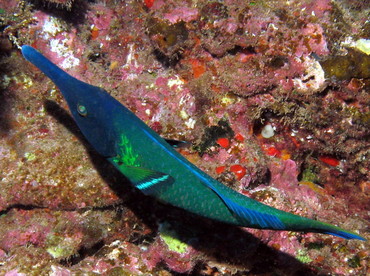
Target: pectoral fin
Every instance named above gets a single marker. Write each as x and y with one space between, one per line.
178 143
148 181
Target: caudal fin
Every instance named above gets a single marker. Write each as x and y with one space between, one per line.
271 218
336 231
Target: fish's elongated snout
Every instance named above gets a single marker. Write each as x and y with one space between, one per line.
91 107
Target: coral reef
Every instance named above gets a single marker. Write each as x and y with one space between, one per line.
274 96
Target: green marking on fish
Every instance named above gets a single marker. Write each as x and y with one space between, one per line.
125 153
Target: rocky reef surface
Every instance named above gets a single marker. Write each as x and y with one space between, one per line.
273 95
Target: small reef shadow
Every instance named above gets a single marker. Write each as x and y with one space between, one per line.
75 14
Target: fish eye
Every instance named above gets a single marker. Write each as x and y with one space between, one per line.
81 109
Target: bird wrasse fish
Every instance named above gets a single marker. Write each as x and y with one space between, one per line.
154 167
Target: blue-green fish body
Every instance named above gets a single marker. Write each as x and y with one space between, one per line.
155 168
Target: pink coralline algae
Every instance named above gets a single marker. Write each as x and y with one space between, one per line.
101 18
218 74
181 14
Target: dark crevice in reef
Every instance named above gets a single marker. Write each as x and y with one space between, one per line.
264 180
324 92
6 96
80 210
139 239
167 61
265 90
73 13
20 207
238 49
233 52
212 133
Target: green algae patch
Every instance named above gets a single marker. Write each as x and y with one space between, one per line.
309 174
30 156
355 64
354 262
171 239
302 256
60 247
358 116
363 45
